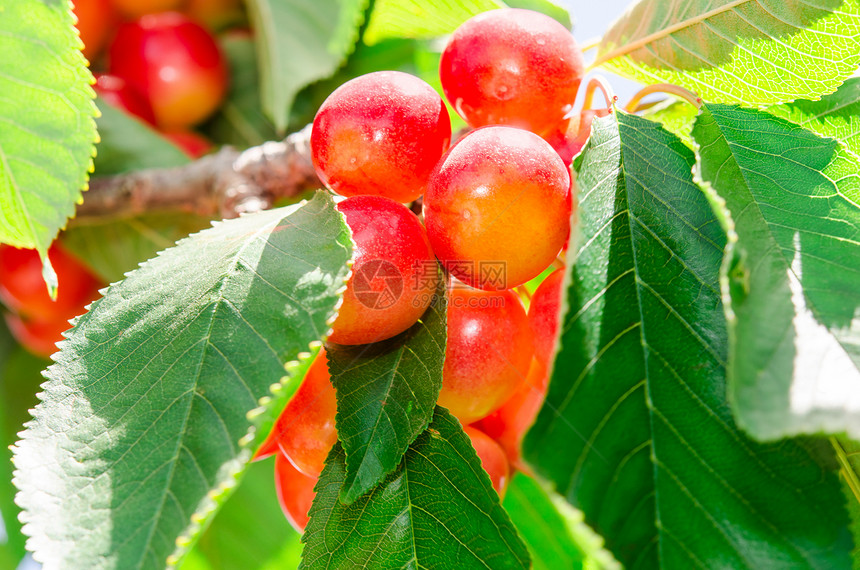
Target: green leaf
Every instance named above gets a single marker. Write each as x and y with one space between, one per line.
299 42
250 530
417 19
20 376
240 121
555 10
637 401
47 130
676 116
836 115
848 455
554 532
136 441
795 200
755 52
438 510
129 144
111 248
386 395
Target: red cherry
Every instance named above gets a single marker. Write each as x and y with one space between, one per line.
394 273
295 492
569 136
512 67
544 316
498 207
38 336
509 424
175 63
23 290
193 144
380 134
488 352
96 21
117 92
305 430
492 458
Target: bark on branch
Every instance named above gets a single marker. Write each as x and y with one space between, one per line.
223 184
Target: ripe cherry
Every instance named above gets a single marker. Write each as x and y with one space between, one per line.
394 273
509 424
23 290
40 337
305 430
498 207
492 458
569 136
138 8
96 19
117 92
488 352
380 134
512 67
295 492
544 316
175 63
193 144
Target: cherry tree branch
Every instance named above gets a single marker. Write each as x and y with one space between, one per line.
224 184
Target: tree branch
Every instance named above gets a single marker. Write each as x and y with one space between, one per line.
224 184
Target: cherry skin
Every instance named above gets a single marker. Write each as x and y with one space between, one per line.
569 136
138 8
192 144
175 63
544 316
509 424
295 492
40 337
96 20
512 67
380 134
305 430
498 207
488 352
394 273
492 457
23 290
117 92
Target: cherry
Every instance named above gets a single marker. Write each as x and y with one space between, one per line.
138 8
95 24
492 458
23 290
569 136
498 207
40 337
381 134
175 63
305 430
394 272
544 316
117 92
509 424
295 492
193 144
512 67
488 352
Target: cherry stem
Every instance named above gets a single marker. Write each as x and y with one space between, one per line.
523 291
589 44
635 104
601 83
558 263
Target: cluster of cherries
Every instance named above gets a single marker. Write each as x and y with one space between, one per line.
162 63
496 212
